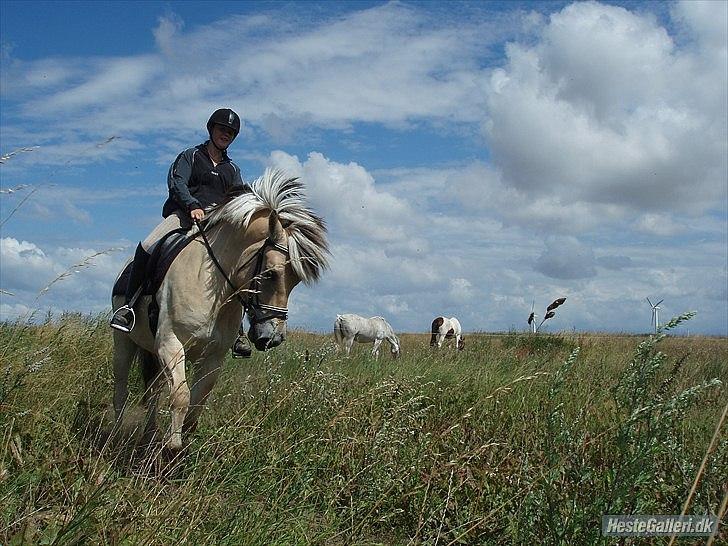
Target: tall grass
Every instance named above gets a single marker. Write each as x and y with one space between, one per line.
517 440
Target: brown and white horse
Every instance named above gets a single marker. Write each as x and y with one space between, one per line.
265 243
447 328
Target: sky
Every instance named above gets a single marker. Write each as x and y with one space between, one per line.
471 159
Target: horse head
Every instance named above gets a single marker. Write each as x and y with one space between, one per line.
290 247
274 279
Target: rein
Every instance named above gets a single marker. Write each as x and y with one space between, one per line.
256 307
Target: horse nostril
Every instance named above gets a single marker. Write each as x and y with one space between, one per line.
262 341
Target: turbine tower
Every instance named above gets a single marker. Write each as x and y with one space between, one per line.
655 313
532 319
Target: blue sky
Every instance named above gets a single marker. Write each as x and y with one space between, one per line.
470 158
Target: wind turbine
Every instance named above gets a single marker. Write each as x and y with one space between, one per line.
532 318
655 313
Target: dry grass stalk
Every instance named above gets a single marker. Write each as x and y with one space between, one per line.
711 447
13 190
76 268
509 386
23 200
7 156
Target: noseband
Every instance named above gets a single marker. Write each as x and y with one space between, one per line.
257 312
260 312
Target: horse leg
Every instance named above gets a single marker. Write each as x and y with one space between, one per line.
205 380
375 349
172 356
152 375
124 352
349 345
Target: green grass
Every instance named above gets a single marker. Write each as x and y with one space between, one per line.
519 439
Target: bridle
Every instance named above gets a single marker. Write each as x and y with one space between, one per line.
260 312
257 311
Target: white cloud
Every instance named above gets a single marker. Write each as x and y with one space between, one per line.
356 207
658 224
566 258
707 23
461 290
41 278
25 266
395 305
605 110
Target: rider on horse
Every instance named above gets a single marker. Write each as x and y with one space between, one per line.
199 178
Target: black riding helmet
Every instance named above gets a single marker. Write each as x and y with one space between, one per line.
226 117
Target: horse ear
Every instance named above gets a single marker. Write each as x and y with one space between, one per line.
275 229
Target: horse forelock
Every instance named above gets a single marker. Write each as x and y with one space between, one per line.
307 244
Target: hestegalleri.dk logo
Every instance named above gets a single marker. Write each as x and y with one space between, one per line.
622 525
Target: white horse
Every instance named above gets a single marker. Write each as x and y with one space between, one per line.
447 328
262 244
349 328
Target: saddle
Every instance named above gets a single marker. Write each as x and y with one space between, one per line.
161 255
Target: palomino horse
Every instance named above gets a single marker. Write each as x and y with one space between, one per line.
349 328
447 328
265 243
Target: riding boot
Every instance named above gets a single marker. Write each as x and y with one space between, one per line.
241 347
124 318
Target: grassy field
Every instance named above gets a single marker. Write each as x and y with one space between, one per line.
519 439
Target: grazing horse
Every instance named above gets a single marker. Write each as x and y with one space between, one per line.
349 328
261 245
447 328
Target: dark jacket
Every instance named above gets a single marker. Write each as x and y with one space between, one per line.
195 183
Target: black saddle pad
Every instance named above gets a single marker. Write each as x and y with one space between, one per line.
162 254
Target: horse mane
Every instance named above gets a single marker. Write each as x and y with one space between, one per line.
307 244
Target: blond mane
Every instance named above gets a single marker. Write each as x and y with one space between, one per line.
307 244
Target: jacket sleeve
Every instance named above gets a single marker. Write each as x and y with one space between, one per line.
178 181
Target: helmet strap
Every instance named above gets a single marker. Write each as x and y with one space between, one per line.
216 146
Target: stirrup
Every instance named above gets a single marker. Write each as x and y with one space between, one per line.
119 320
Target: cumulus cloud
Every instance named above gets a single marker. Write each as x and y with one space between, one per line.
566 258
41 278
658 224
461 290
604 109
356 207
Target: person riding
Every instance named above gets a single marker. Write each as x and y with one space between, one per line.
199 178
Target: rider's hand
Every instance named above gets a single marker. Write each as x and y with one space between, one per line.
197 214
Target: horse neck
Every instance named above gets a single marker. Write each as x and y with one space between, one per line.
229 245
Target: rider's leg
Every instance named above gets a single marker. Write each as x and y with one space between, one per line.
123 318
